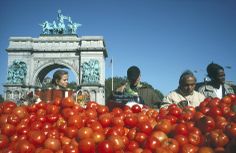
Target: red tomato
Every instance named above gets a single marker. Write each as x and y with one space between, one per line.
67 112
136 108
13 119
145 128
132 145
182 140
87 145
140 137
152 143
181 128
226 99
189 148
105 147
20 111
53 144
131 133
91 113
117 121
67 102
8 106
92 105
36 137
8 129
161 136
131 121
105 119
218 138
206 124
24 146
171 144
52 109
71 131
194 139
102 109
163 125
230 130
205 150
116 142
85 132
3 141
70 149
98 137
75 120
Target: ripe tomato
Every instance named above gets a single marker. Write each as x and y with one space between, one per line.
3 141
136 108
102 109
230 130
145 128
189 148
194 139
182 140
161 136
75 120
152 143
70 149
8 129
105 147
92 105
116 142
53 144
226 100
67 102
130 121
20 111
85 132
98 137
25 146
87 145
205 150
181 128
105 119
132 145
163 125
206 124
140 137
36 137
171 144
218 138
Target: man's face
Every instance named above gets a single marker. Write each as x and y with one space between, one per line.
220 76
188 85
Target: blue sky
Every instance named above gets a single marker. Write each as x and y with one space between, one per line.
162 37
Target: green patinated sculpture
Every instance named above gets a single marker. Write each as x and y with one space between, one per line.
17 72
64 25
90 72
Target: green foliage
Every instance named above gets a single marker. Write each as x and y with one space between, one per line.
118 81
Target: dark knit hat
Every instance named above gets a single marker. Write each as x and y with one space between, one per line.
133 73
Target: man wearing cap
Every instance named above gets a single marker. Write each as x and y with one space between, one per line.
217 86
133 87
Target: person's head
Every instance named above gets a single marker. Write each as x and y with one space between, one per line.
60 78
133 75
216 73
187 82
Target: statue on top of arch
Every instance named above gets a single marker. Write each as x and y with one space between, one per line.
64 25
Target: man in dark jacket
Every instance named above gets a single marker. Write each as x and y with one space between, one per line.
133 88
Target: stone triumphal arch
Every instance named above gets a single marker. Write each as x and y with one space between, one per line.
30 60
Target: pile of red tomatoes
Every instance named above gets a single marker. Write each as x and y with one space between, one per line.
63 126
